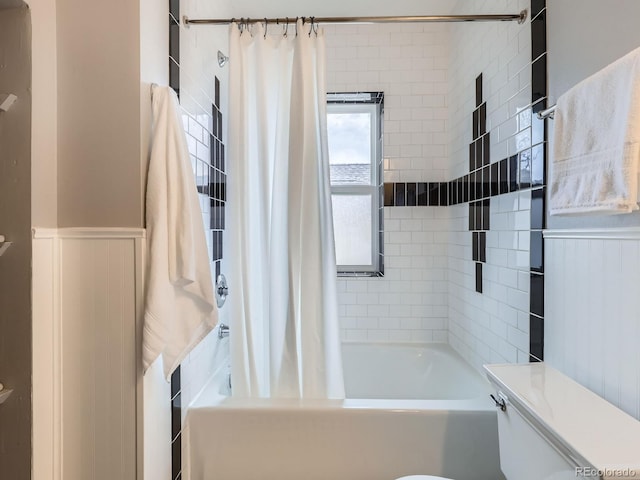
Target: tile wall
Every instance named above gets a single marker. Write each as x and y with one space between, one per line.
409 63
496 298
492 284
194 73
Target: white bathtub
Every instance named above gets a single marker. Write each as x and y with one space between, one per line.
377 438
409 371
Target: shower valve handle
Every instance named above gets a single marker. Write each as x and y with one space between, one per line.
222 290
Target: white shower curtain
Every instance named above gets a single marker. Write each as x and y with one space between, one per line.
283 303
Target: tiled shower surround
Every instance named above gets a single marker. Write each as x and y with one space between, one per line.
463 243
460 138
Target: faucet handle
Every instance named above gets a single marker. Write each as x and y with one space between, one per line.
222 290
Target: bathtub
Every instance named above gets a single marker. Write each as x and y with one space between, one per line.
410 409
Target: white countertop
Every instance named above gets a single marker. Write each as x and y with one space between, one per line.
584 423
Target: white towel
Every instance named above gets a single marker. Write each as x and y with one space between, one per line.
594 169
179 306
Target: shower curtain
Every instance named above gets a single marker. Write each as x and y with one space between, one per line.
283 303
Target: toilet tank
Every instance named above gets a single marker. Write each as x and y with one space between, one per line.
551 428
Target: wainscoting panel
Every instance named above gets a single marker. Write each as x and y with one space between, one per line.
87 290
592 327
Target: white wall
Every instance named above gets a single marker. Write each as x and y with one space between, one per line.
591 320
592 325
492 326
86 287
575 52
154 443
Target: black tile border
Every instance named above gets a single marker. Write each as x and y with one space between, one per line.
176 387
390 194
537 178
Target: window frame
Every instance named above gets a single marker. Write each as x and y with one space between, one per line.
371 103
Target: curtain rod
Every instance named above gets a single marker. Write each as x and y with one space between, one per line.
520 18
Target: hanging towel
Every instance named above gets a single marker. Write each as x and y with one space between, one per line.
179 306
594 169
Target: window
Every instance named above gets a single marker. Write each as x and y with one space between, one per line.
354 122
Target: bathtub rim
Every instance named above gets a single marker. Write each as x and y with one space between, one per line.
209 396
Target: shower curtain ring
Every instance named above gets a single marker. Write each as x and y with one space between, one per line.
311 29
297 18
265 27
286 31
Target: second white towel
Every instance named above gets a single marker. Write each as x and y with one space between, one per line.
594 168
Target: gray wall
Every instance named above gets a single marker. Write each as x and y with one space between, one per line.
15 264
584 36
99 151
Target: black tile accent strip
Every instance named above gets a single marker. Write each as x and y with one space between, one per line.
478 90
536 338
174 8
475 246
400 194
513 173
536 297
434 193
504 176
486 149
495 179
538 209
536 251
174 76
174 41
423 196
412 199
389 195
176 456
538 35
537 6
479 277
444 196
176 416
537 178
175 382
539 79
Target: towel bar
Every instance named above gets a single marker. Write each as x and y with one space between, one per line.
548 113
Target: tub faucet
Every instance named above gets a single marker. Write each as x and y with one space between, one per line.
223 331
